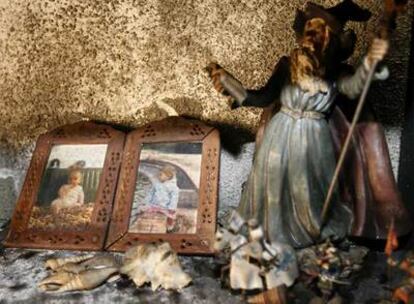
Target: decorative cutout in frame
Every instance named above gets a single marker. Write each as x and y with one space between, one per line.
168 186
66 199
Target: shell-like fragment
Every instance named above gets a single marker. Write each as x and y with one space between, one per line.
56 263
88 279
169 274
157 264
71 267
98 262
66 281
101 261
55 281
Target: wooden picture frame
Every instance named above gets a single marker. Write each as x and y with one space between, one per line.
82 137
171 130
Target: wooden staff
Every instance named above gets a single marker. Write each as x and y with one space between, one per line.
392 8
348 139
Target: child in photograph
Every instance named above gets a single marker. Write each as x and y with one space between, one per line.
71 194
163 196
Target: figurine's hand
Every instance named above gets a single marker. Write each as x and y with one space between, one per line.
377 51
215 71
226 84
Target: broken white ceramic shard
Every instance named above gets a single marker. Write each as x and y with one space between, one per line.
254 250
285 271
244 275
270 250
235 222
275 277
256 234
253 223
222 239
237 242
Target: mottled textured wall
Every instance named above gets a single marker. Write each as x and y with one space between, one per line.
64 61
67 60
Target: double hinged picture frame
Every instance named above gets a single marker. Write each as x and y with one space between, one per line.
92 187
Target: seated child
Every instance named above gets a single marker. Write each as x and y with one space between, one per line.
163 196
71 194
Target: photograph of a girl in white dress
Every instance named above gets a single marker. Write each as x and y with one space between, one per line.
166 193
70 194
68 187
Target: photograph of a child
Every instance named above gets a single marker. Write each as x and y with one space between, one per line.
68 187
166 193
163 196
70 194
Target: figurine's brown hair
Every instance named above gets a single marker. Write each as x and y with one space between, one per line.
308 60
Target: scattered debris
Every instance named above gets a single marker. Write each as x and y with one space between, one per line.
404 292
329 266
255 263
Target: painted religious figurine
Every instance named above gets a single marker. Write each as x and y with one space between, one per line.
296 159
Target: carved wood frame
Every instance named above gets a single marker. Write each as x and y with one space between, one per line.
170 130
20 235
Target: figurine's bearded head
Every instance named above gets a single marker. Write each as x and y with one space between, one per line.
321 36
316 36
